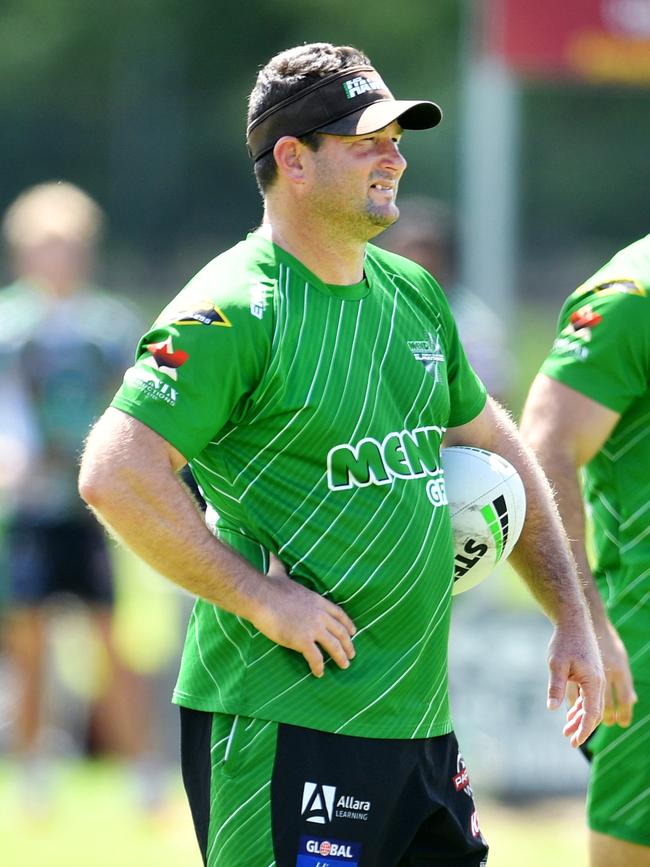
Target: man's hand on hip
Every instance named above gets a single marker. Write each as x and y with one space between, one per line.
297 618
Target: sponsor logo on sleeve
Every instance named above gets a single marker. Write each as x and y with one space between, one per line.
582 321
622 286
165 358
576 335
258 300
202 312
321 852
151 385
208 314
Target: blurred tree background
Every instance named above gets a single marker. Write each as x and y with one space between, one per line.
143 103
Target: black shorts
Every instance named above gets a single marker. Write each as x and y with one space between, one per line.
46 558
267 794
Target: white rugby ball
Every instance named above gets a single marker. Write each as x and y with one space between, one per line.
487 505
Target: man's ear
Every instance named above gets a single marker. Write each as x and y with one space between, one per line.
288 153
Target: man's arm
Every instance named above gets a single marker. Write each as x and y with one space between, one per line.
128 477
543 559
566 430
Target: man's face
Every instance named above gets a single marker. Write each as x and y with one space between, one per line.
56 263
354 179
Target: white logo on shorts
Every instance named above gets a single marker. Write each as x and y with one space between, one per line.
318 803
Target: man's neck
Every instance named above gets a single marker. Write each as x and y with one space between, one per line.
332 260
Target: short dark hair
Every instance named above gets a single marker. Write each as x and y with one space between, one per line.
288 73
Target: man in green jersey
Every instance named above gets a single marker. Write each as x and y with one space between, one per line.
588 410
308 378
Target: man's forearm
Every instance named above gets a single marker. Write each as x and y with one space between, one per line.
128 477
542 556
560 465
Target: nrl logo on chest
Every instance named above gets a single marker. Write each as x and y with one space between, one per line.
429 352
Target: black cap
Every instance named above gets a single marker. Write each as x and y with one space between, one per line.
354 101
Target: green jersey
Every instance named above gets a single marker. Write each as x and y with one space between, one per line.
603 351
312 416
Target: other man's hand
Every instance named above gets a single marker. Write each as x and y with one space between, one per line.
620 696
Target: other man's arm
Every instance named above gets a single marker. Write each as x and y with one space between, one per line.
566 430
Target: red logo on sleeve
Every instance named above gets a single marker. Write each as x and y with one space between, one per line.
585 318
165 356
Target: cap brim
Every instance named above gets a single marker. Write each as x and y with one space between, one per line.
411 114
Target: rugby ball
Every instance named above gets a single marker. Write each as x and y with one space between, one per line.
487 506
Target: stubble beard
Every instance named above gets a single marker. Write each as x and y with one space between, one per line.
381 218
364 222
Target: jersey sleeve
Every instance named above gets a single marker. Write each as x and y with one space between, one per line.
197 368
602 347
467 394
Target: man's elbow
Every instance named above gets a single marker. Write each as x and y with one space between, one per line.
94 482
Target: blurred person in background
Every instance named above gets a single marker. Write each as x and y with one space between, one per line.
63 347
426 233
588 415
314 710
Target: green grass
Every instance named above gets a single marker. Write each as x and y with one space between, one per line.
538 834
94 823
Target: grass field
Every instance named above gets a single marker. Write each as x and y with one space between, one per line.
93 823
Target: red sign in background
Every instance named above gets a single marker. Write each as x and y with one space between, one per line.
596 40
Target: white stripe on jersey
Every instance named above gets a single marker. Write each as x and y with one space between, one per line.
233 815
634 542
287 445
198 650
436 693
616 743
215 612
383 522
278 530
351 500
280 332
411 648
615 455
219 476
432 626
644 508
346 599
267 445
218 743
640 653
280 324
629 614
609 508
632 585
632 803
